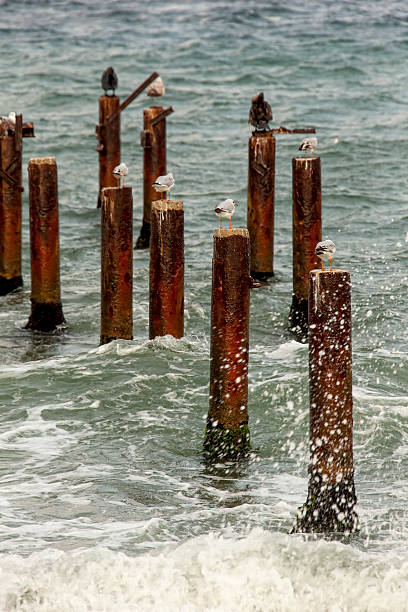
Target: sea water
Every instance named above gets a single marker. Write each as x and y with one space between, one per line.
105 502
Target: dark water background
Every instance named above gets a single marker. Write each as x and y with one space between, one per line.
104 499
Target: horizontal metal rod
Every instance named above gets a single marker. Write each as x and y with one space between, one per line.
284 130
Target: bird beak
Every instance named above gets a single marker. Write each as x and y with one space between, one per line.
235 203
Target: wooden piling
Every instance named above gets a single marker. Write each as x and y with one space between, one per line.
261 202
307 232
166 291
108 134
116 264
330 505
46 307
227 431
153 141
11 141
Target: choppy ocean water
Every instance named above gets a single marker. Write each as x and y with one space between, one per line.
104 499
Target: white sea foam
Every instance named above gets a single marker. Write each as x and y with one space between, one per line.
261 572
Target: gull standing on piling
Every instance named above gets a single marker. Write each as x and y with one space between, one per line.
120 172
164 183
225 210
308 144
325 250
157 89
109 80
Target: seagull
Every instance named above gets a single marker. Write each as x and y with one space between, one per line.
120 171
308 144
260 113
12 118
164 183
225 210
109 80
325 250
156 89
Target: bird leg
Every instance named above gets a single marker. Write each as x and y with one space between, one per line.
220 223
322 265
331 265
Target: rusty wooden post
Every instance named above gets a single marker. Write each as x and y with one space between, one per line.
307 232
11 145
166 290
261 202
330 505
153 141
46 307
116 264
108 134
227 431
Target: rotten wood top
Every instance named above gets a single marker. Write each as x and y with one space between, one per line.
318 271
306 159
235 231
167 205
38 161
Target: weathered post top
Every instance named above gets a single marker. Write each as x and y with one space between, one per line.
235 231
162 205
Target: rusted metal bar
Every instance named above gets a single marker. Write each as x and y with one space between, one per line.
166 287
133 96
10 209
108 134
11 181
284 130
153 141
227 431
46 308
330 505
116 264
28 130
261 202
162 115
307 232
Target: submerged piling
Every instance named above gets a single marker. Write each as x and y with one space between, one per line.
46 307
227 431
307 232
116 264
153 141
11 145
166 286
108 134
261 202
330 505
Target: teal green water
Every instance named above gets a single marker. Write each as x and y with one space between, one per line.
104 498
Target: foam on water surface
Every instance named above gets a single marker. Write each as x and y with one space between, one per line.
261 572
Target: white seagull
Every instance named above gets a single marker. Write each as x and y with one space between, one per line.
157 89
325 250
120 171
225 210
308 144
164 183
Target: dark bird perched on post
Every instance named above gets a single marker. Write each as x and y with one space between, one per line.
260 113
109 80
